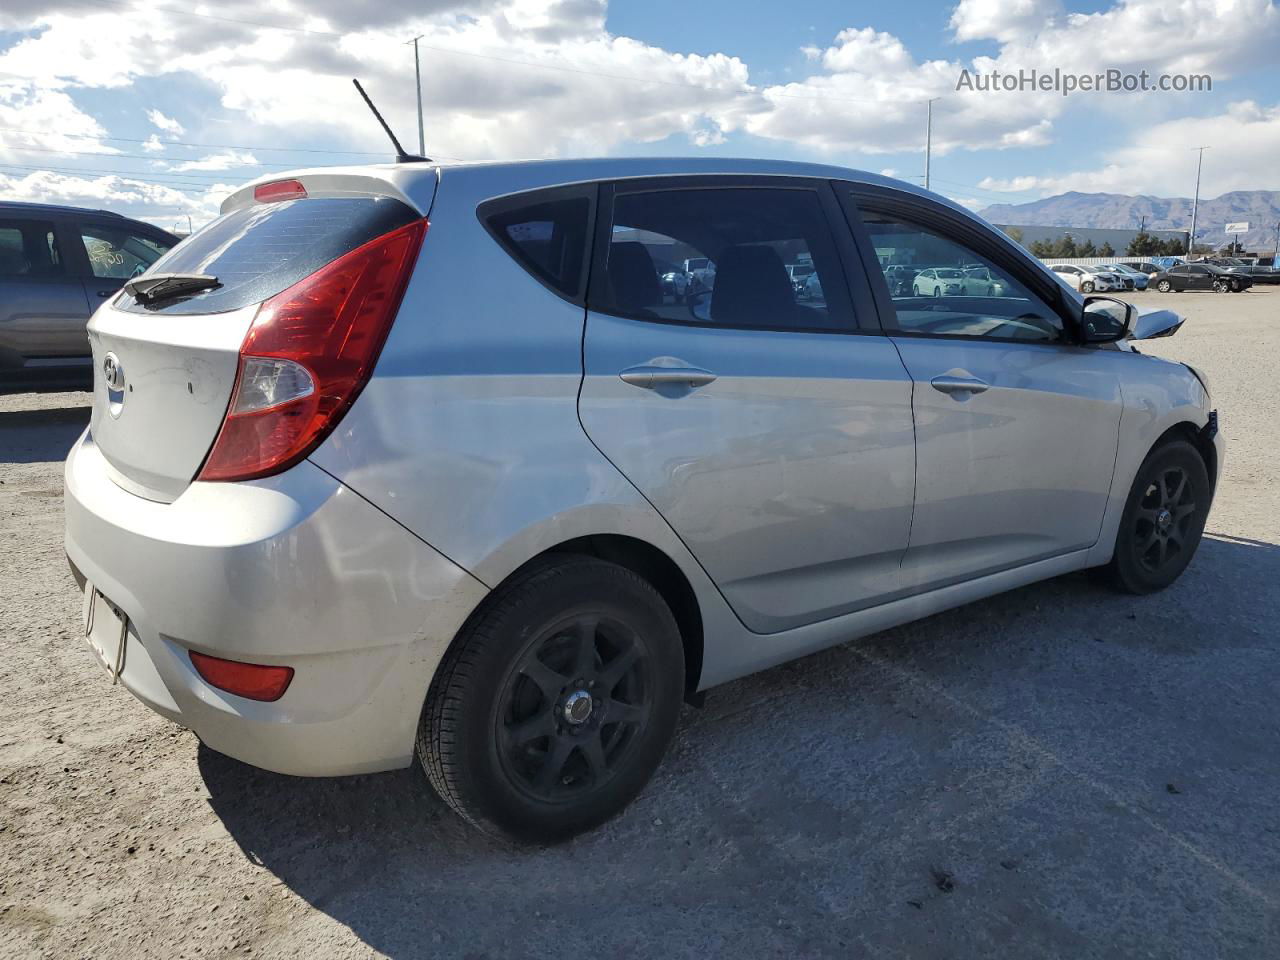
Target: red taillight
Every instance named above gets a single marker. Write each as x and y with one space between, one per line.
279 190
309 352
253 681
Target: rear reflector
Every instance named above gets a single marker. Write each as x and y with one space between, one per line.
279 190
310 351
253 681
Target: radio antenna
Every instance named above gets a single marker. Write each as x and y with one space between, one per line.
401 156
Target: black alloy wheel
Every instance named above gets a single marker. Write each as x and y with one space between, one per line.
1163 520
556 701
580 696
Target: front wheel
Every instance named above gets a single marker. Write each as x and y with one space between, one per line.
1221 286
1163 520
556 702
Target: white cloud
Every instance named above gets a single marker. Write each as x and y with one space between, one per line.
165 124
35 122
218 161
1003 20
577 89
160 202
1163 163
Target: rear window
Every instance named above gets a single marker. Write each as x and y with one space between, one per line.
259 250
546 233
29 248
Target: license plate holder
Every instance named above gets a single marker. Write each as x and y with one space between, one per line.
106 630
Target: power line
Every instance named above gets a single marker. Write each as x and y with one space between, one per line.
205 146
132 156
132 175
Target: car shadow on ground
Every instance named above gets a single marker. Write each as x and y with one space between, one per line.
40 436
758 831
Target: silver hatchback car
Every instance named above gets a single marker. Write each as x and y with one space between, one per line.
419 459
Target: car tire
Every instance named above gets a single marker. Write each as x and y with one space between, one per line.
505 738
1221 286
1086 286
915 291
1163 520
937 291
1164 286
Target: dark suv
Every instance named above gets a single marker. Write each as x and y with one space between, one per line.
56 265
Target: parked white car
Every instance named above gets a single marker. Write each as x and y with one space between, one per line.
1088 279
938 282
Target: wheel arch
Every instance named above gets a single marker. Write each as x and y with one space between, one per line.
1197 437
660 571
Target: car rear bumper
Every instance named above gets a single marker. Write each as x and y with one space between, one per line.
294 570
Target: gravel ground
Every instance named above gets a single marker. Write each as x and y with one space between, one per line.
1057 771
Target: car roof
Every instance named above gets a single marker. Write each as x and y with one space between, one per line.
22 207
513 176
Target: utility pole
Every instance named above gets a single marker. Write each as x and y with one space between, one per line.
417 73
928 139
1195 204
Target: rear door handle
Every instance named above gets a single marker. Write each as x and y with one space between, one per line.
650 375
959 385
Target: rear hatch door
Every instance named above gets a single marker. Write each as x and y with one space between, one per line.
164 369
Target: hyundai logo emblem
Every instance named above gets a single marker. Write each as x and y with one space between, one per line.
113 373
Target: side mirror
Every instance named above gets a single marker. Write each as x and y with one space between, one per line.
700 306
1106 320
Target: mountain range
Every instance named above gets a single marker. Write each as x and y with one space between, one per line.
1259 208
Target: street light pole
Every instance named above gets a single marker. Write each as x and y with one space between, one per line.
928 139
417 73
1195 204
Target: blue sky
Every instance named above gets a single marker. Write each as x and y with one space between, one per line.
199 99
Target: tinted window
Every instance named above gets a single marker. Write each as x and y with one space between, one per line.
29 248
119 253
1199 270
754 257
932 296
259 250
546 233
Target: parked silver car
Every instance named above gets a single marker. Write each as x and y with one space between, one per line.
335 508
56 265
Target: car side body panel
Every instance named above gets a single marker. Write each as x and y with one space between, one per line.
1158 396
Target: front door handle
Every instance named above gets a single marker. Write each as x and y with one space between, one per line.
959 386
649 376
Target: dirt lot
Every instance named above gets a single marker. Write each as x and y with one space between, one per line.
1058 771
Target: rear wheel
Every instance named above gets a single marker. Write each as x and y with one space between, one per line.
556 702
1164 286
1163 520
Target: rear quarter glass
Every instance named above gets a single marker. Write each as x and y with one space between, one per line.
259 250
